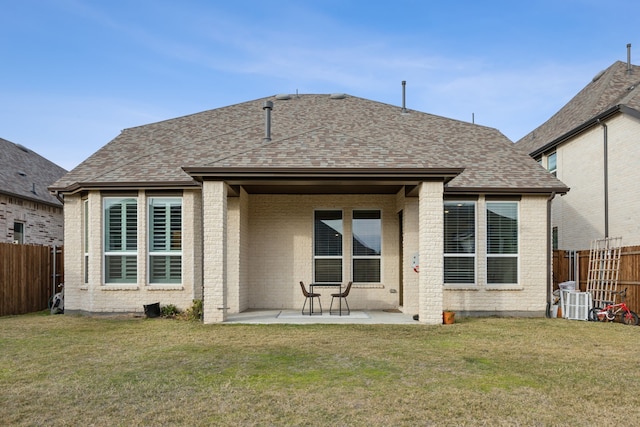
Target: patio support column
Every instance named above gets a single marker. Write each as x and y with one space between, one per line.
431 247
214 206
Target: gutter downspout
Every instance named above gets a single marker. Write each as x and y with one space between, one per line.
549 257
606 177
59 197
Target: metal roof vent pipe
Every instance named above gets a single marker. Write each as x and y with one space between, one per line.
629 58
268 106
404 96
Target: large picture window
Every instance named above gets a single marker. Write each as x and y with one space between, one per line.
327 246
120 239
367 246
165 240
459 242
502 243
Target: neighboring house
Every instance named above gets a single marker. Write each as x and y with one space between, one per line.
593 145
236 205
29 213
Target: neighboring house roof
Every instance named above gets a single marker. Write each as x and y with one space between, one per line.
610 91
26 174
311 136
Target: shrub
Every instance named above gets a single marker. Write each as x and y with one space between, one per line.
169 310
195 311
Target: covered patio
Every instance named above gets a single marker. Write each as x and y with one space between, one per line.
295 317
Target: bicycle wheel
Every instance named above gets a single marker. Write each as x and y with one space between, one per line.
629 318
595 316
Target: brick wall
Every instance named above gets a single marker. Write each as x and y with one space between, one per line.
281 249
529 295
96 297
43 224
579 215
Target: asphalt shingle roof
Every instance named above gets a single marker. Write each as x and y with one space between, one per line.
26 174
311 131
611 87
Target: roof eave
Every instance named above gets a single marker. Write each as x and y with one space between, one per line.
31 199
319 173
620 108
503 191
123 186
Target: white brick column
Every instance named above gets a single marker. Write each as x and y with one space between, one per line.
431 247
214 205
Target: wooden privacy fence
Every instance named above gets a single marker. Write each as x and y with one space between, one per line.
28 276
574 265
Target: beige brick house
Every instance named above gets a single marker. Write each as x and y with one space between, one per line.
593 145
236 205
29 213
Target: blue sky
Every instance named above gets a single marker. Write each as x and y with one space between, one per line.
77 72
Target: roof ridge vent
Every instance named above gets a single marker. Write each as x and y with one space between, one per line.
283 96
338 96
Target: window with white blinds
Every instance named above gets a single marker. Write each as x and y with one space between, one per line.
459 242
120 239
502 243
367 245
327 246
165 240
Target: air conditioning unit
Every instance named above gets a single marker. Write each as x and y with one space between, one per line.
578 305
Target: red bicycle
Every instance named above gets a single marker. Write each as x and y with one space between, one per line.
611 311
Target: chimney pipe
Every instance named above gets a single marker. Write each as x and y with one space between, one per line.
268 106
404 96
628 58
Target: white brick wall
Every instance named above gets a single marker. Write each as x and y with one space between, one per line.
281 249
579 215
214 198
430 232
95 296
270 249
529 296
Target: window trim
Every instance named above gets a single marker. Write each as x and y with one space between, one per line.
166 253
342 245
516 255
85 239
357 257
553 171
21 234
473 255
124 253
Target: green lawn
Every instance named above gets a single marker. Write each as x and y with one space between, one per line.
68 370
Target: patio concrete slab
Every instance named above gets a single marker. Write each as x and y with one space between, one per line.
296 317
